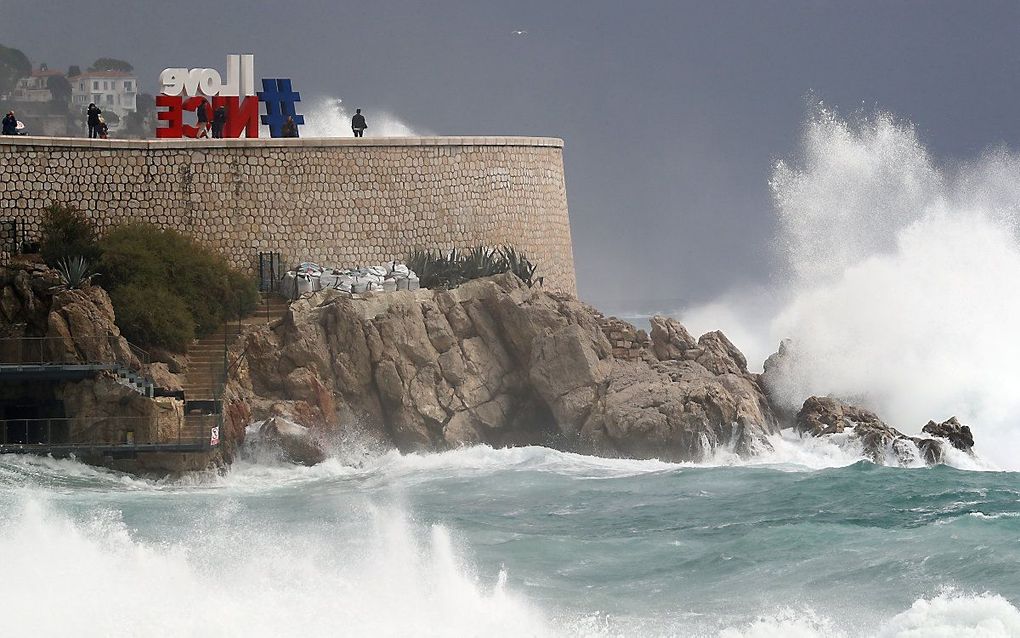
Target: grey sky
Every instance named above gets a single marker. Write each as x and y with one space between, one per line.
673 112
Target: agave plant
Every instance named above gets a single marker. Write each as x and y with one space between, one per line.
481 262
75 273
520 265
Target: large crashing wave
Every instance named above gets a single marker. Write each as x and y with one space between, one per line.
899 280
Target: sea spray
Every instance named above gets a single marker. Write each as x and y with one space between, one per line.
898 280
330 117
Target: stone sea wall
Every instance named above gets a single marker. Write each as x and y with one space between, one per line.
342 202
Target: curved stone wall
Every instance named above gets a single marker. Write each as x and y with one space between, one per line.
338 202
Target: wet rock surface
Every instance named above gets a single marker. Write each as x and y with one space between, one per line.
883 444
496 362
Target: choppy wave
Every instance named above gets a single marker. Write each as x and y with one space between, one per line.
525 541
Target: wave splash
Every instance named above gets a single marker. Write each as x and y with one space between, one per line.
245 581
899 279
330 117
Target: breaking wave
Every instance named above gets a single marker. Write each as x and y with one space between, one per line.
898 281
330 117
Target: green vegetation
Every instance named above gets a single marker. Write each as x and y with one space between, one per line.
153 317
75 273
111 64
166 288
437 269
67 233
13 65
144 266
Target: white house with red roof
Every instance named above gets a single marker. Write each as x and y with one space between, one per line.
111 91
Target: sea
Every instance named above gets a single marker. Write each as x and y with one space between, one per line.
807 541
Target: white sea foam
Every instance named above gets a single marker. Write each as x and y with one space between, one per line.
945 616
898 281
331 117
244 581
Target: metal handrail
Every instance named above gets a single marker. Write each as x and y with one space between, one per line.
52 350
201 423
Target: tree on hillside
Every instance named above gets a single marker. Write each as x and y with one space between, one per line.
60 88
141 122
13 65
111 64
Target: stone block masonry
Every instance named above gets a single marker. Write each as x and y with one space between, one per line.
338 202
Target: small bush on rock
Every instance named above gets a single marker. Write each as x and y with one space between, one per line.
67 232
142 256
153 317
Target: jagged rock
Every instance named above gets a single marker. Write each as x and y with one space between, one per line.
296 442
826 416
496 362
162 377
952 430
670 339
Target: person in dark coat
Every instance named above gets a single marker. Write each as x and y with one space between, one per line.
203 119
10 124
358 124
219 121
290 127
93 120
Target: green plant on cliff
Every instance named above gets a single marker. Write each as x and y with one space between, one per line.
75 273
66 232
140 261
438 269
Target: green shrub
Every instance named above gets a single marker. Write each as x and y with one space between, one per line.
67 232
210 291
153 317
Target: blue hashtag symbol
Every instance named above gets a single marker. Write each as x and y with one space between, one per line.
279 99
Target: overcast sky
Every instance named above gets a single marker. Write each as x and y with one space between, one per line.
673 112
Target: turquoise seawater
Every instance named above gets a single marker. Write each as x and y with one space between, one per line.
520 542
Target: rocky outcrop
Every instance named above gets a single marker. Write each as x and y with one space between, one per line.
958 435
296 443
883 444
496 362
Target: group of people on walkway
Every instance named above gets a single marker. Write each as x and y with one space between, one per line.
10 124
97 123
209 122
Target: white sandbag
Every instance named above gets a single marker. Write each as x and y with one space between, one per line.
389 285
402 283
359 286
413 283
288 285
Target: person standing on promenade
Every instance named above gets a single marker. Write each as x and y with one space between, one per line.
219 121
358 124
203 119
290 127
93 120
10 124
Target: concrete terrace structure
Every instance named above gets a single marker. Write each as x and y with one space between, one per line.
339 202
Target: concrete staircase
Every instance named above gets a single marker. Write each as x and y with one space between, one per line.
205 356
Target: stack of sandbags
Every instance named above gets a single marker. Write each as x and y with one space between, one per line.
308 277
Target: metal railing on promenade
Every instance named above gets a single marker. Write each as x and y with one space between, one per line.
99 350
69 434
